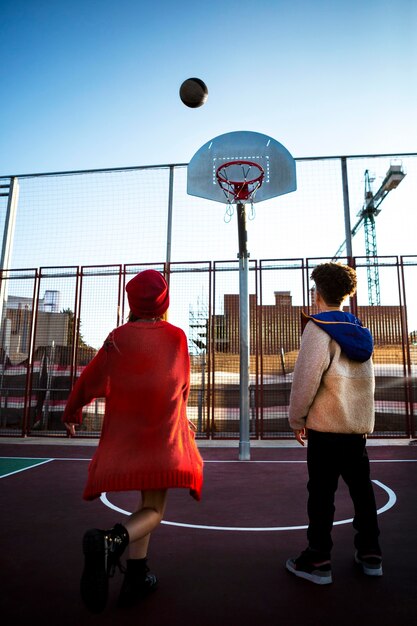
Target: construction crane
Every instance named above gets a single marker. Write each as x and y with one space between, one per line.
367 215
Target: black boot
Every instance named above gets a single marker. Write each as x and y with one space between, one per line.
137 583
102 551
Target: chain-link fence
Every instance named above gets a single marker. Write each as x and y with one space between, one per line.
75 238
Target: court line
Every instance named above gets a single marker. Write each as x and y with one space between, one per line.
392 499
305 461
23 469
214 460
205 461
54 458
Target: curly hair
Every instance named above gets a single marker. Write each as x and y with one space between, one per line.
334 282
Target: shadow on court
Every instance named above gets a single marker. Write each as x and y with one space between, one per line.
209 572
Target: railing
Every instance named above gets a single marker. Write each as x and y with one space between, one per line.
45 347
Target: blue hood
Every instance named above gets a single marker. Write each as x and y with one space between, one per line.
354 339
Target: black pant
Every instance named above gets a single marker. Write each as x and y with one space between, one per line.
330 455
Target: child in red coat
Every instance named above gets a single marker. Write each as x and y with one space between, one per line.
146 444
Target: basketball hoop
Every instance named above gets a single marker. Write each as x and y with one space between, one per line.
240 180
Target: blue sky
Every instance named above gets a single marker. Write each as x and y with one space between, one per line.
94 83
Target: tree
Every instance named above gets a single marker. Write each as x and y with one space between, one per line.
70 334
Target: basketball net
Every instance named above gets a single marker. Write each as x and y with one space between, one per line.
239 181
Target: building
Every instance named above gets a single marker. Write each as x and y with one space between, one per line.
51 325
277 327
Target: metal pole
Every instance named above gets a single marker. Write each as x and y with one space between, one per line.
244 445
169 219
6 250
7 328
346 207
201 393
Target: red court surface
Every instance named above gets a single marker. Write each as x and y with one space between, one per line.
221 561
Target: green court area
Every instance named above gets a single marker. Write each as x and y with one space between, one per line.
11 465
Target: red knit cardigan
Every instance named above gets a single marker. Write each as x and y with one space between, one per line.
143 372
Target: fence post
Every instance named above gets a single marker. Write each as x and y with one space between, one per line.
169 217
346 208
8 234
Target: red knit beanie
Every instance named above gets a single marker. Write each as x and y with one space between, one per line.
148 294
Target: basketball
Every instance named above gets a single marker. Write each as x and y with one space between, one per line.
193 92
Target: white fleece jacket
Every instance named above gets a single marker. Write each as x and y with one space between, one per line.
330 393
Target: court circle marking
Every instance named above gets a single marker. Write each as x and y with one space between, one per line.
392 499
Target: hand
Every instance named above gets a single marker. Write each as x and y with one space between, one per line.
299 434
70 429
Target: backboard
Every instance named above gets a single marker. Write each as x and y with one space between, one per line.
275 160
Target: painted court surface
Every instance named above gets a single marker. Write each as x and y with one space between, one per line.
219 562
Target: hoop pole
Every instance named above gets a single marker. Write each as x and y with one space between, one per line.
244 404
242 232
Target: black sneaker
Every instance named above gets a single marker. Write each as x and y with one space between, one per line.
102 551
371 564
137 584
310 566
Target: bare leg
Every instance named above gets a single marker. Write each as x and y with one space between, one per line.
141 523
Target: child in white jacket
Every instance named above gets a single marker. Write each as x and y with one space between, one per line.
332 402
